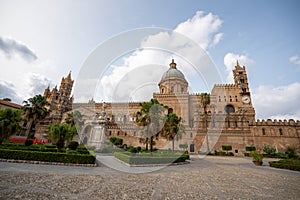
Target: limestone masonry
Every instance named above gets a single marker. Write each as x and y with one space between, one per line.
227 118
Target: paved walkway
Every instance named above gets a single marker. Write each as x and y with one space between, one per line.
205 178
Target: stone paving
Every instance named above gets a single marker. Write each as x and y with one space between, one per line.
202 178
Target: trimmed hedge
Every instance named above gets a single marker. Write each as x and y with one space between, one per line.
47 156
250 148
147 159
291 164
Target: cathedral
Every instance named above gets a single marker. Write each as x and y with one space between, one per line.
225 117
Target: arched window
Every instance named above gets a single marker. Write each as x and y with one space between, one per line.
172 89
263 131
229 109
280 131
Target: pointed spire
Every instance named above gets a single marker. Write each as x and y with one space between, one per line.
237 63
69 75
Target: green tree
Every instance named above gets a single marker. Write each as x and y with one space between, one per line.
9 123
36 109
75 119
150 118
173 128
60 133
205 101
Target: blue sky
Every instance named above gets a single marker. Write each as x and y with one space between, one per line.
41 41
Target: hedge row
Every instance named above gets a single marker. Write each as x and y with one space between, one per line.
139 160
291 164
47 156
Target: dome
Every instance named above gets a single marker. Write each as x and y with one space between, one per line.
172 72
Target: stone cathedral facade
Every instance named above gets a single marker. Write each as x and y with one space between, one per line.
228 119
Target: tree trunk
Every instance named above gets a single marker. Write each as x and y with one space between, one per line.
146 144
173 145
151 144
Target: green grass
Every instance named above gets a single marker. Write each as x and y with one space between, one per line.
147 158
291 164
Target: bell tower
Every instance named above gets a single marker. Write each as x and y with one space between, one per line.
240 78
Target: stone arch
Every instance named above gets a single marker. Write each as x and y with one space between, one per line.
229 109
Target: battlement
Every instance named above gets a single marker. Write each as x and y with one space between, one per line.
222 86
275 122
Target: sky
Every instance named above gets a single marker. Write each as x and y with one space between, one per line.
42 41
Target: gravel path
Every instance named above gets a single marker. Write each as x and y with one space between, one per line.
205 178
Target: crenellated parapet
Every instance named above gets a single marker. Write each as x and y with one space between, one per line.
225 86
275 122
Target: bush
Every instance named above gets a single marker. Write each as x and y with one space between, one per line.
247 154
147 159
116 141
290 152
269 149
226 148
220 153
257 157
47 156
250 148
28 142
132 150
73 145
291 164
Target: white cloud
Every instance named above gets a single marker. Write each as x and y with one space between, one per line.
201 28
230 61
277 102
36 84
295 60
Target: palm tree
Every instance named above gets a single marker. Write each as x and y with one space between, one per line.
9 123
60 133
205 101
150 118
75 118
35 109
173 128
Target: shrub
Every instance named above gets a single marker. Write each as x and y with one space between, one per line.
250 148
227 148
28 142
291 164
112 139
47 156
247 154
116 141
290 152
257 157
139 149
73 145
147 159
269 149
132 150
220 153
